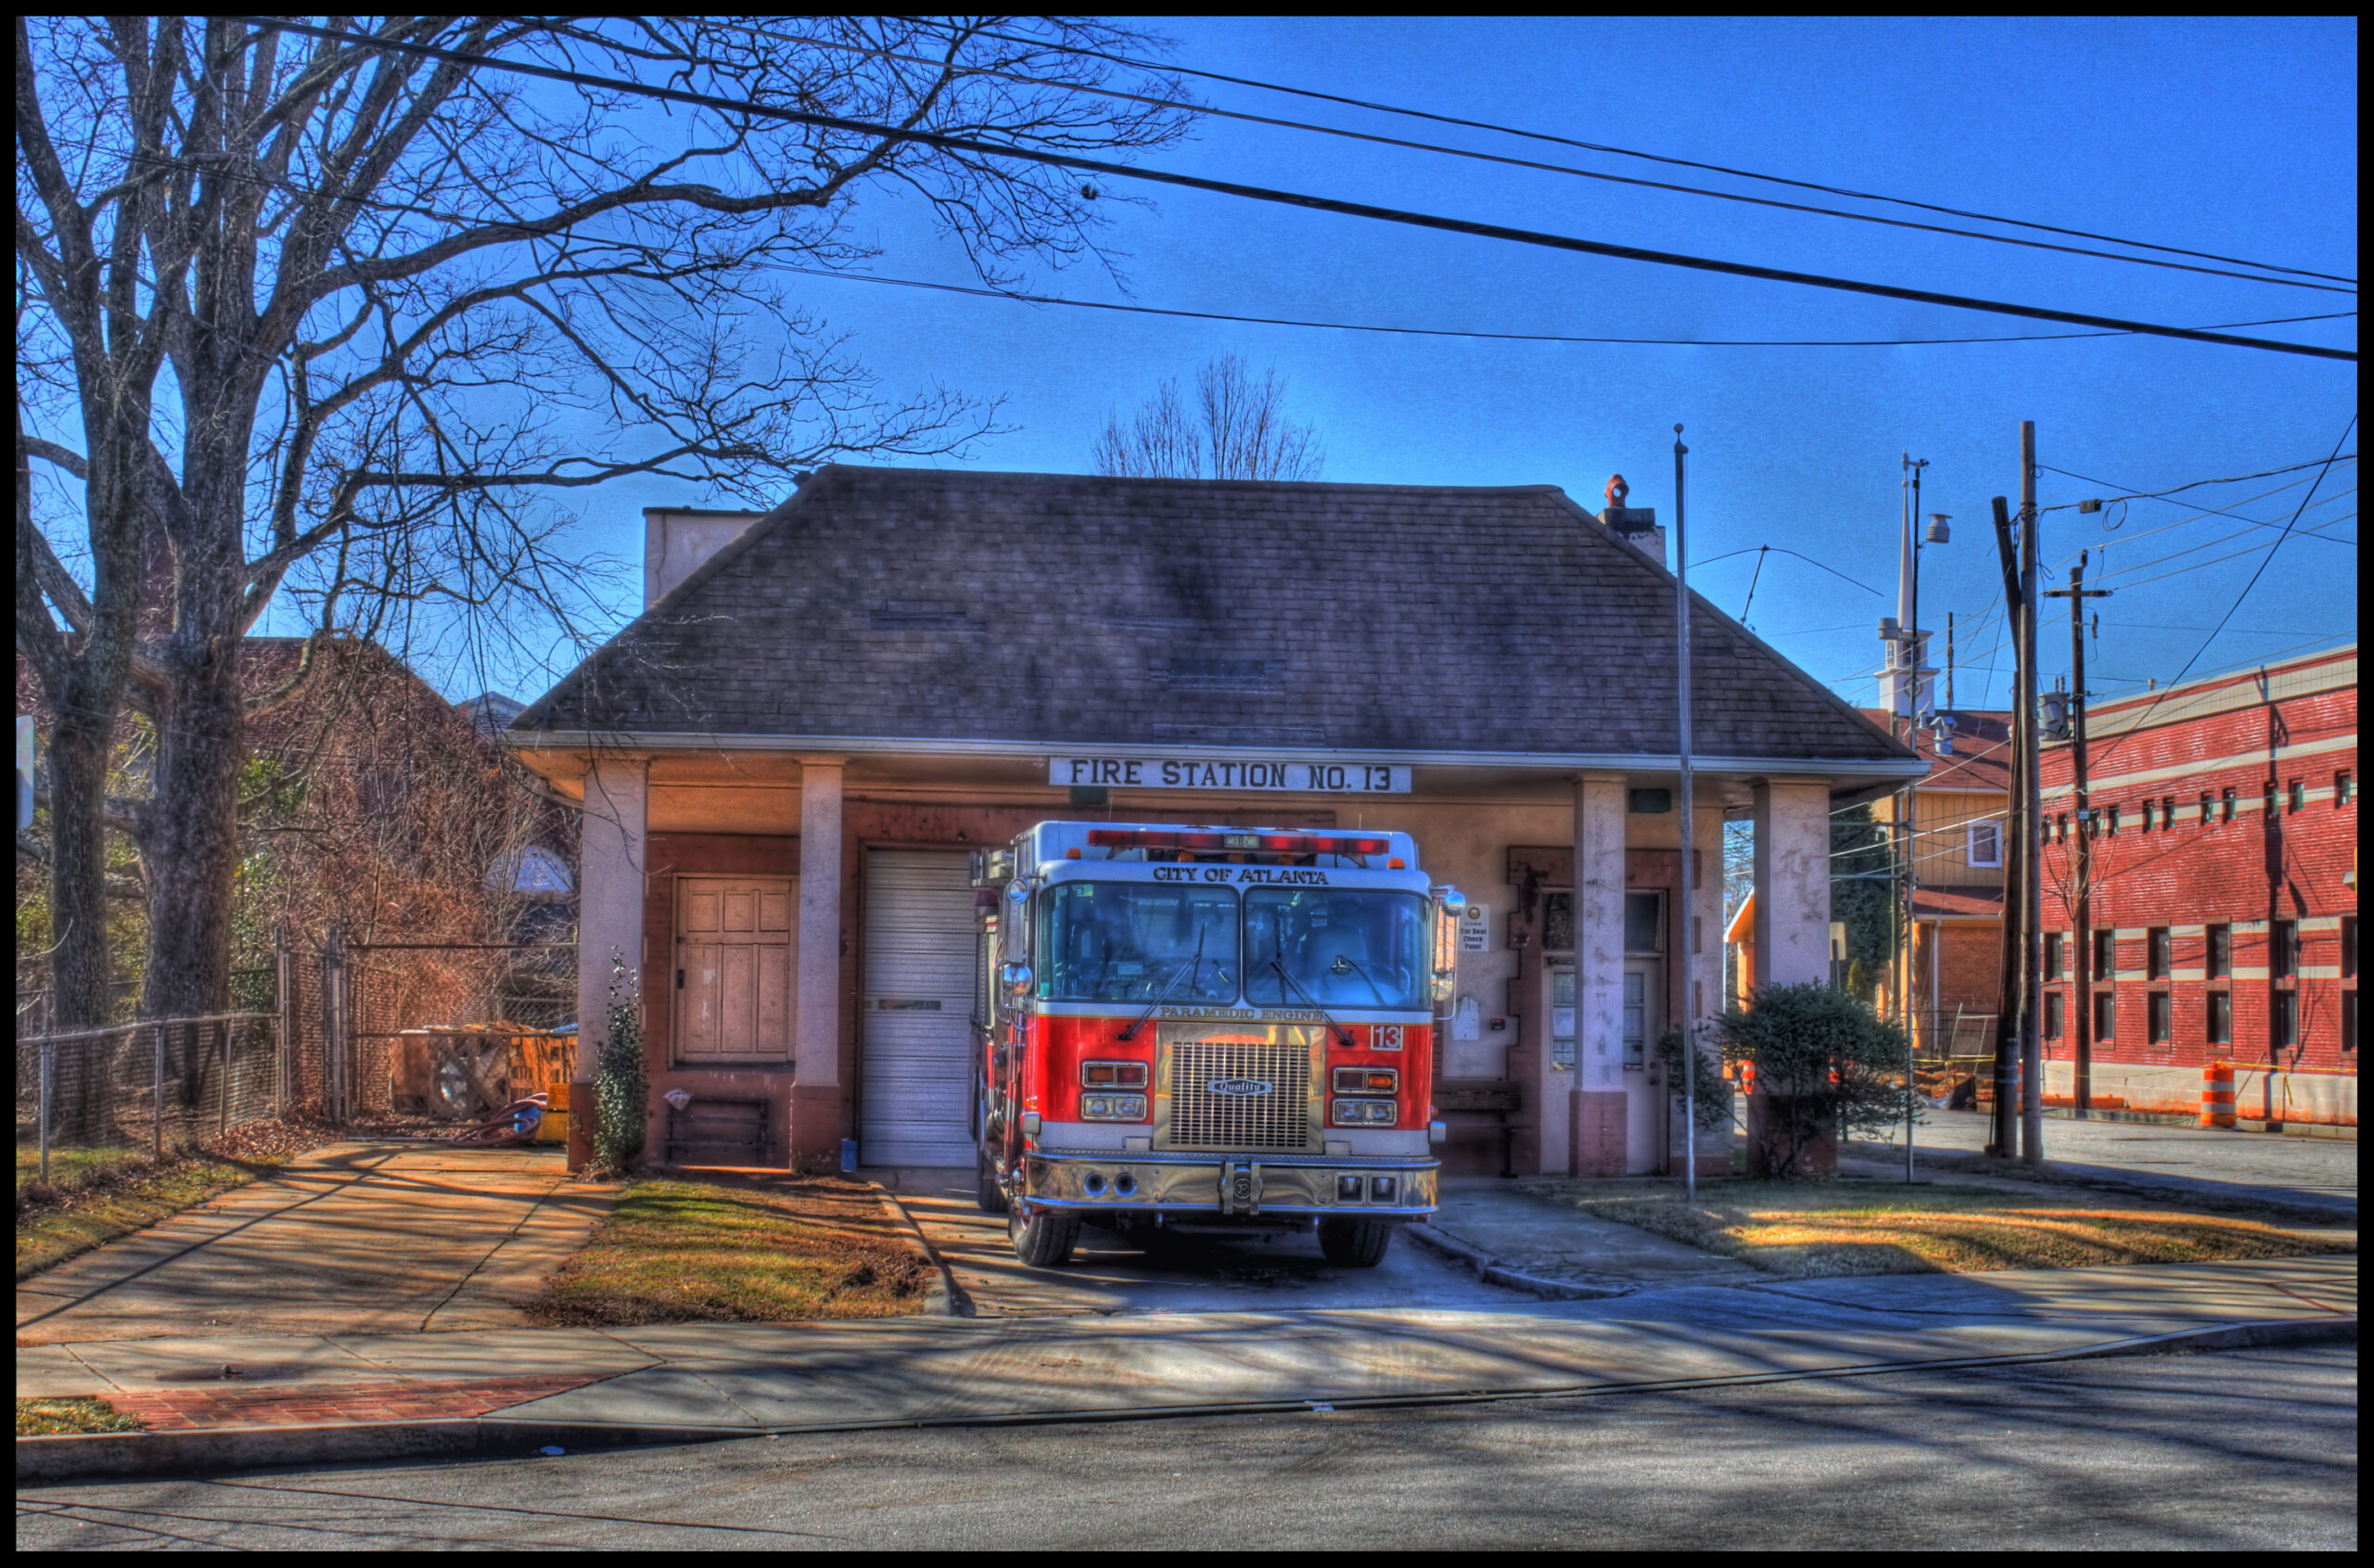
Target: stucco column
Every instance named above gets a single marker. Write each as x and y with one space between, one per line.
1597 1140
1702 930
816 1098
609 917
1792 915
1791 882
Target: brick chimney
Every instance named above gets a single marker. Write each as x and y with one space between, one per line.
1635 525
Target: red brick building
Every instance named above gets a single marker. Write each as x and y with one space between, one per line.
2224 901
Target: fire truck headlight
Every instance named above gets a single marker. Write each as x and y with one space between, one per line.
1364 1113
1112 1107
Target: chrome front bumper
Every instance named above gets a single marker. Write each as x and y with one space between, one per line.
1238 1186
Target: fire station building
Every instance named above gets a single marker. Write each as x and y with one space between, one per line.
785 759
2223 920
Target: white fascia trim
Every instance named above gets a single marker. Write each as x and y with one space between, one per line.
908 746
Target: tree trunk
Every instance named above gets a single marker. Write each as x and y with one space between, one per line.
192 848
78 923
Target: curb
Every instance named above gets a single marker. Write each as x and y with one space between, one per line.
946 1299
123 1455
1493 1272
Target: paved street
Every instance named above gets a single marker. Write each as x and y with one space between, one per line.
1107 1275
2321 1172
356 1238
2224 1451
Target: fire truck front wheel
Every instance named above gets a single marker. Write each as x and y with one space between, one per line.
1042 1238
1354 1243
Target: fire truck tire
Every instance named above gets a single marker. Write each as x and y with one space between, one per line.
1043 1239
1354 1243
986 1191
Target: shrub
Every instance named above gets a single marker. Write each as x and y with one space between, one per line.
1826 1064
619 1085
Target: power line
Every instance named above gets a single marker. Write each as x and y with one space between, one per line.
1214 112
2174 489
2201 512
1295 199
1656 158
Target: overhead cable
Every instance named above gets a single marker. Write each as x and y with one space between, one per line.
1291 199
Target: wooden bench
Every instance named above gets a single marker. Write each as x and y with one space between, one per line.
1501 1098
718 1122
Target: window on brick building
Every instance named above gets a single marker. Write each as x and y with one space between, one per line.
2220 956
2143 816
2060 827
2297 797
2110 822
1986 843
2155 953
2283 948
2167 811
2156 1014
2105 954
2349 1020
2053 1015
2283 1021
2344 790
2349 947
2053 956
2206 808
2221 1018
2226 806
2105 1016
2267 797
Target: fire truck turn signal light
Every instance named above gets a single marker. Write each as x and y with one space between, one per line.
1367 1080
1112 1075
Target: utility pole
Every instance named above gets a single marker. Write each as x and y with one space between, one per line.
2081 939
2001 1139
1691 869
2031 820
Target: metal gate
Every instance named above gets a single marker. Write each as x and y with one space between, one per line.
917 1083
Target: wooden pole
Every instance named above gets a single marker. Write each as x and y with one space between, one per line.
2030 855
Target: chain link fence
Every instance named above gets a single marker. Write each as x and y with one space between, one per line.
87 1097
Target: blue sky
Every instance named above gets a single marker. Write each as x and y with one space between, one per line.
2237 136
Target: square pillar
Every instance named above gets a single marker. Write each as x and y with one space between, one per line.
611 892
816 1090
1598 1130
1702 931
1791 913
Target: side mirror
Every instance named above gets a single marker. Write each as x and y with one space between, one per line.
1015 977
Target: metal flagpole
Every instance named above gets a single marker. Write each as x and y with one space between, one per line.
1689 825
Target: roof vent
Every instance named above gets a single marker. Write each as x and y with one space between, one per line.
1636 526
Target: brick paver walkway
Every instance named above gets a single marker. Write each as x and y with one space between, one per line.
299 1404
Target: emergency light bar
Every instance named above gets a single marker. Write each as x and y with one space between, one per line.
1223 843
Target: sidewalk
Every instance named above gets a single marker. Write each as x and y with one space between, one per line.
693 1381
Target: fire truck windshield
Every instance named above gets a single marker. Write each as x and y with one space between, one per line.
1135 942
1339 947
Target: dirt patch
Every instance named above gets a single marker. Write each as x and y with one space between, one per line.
727 1249
1803 1231
94 1197
59 1418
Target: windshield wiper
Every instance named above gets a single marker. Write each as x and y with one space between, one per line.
1342 1035
1195 967
1345 960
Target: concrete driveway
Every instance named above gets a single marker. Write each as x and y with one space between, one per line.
1107 1275
356 1238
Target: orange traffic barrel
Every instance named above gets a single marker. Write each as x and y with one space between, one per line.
2217 1095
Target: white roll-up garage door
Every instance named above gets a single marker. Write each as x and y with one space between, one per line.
918 1033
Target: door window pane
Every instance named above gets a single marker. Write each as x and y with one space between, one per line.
1561 1018
1643 932
1636 1019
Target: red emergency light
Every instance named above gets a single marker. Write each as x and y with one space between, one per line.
1238 843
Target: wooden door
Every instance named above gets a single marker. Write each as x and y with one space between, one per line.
734 969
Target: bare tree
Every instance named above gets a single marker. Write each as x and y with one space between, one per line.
328 318
1237 430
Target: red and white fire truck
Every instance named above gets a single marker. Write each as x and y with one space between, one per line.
1209 1028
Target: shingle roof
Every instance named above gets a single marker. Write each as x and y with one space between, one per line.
1067 609
1982 756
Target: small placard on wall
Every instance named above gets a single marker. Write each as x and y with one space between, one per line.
1475 928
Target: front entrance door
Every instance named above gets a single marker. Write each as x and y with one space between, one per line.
917 1077
1644 1090
734 969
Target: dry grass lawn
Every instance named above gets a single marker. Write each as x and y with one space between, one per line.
723 1249
1799 1231
52 1228
56 1418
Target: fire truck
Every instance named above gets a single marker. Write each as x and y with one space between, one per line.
1198 1029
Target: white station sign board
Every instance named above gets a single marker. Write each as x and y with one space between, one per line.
1282 775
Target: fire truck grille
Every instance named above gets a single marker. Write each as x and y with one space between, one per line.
1228 1094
